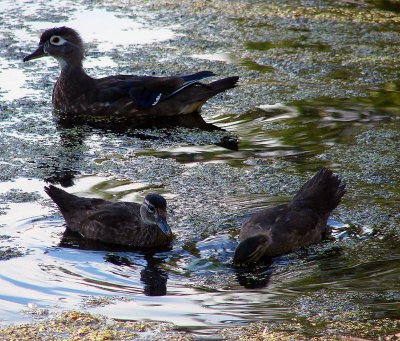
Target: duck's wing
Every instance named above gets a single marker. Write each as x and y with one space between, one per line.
144 91
117 223
115 214
74 209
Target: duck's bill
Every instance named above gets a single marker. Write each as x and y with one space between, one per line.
163 226
36 54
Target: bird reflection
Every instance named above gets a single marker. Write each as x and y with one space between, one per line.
153 277
65 161
257 277
64 177
191 121
62 165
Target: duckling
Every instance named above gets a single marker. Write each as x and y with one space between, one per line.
285 228
123 223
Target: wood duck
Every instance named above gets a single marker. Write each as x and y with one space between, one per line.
127 98
285 228
123 223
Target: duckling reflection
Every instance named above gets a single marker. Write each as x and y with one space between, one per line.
255 278
152 275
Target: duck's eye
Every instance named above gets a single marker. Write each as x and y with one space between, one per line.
57 40
151 208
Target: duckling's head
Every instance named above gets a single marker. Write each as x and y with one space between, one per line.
153 211
252 249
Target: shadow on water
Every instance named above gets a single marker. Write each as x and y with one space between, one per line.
190 121
387 5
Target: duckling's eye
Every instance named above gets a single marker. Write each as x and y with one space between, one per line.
57 40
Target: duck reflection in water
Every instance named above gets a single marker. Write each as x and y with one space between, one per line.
68 156
152 275
256 277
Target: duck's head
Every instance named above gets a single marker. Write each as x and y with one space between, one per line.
62 43
153 211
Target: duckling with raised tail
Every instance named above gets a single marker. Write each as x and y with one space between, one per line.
285 228
136 100
122 223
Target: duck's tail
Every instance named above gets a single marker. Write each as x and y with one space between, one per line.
322 192
202 92
63 199
223 84
251 250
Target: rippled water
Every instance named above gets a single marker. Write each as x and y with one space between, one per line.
63 271
192 284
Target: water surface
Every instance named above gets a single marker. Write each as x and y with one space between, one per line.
290 123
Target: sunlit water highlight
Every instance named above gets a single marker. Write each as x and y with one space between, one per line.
90 24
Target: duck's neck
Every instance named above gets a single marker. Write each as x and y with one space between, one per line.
72 83
72 72
63 63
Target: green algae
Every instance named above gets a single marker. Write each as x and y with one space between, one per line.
255 66
299 42
384 329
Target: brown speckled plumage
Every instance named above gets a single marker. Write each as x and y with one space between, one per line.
137 100
119 223
282 229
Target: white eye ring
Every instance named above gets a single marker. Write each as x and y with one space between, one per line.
57 40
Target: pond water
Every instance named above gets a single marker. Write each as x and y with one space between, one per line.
211 190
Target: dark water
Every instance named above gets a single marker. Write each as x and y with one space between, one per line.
192 284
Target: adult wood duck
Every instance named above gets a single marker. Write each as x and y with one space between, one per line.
136 100
122 223
285 228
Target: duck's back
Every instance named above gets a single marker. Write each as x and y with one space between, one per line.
289 228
